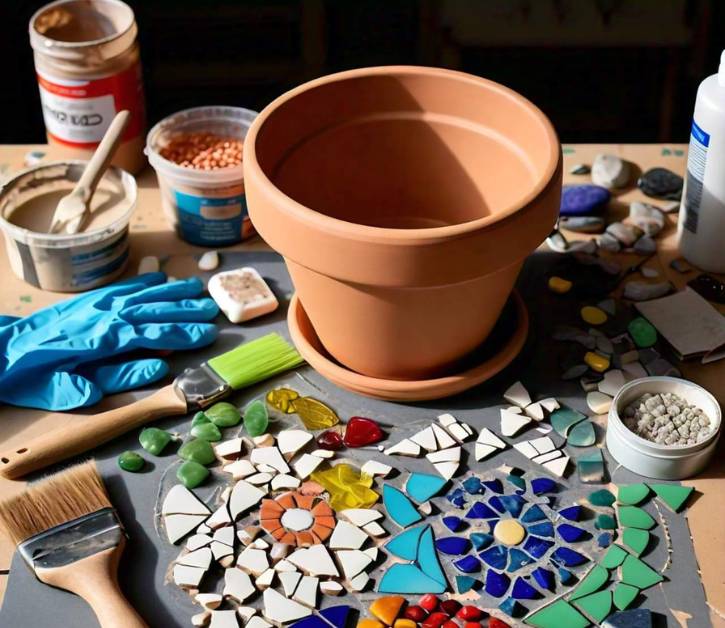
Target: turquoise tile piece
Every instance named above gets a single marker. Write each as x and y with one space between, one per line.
563 418
533 514
405 544
428 558
422 486
465 583
581 435
402 578
517 560
399 508
545 528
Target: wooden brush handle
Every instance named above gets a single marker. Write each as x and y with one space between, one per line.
95 579
89 432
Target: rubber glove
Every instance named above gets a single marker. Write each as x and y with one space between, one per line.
58 358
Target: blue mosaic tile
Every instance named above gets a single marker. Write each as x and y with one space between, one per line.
494 485
457 497
399 508
468 564
496 583
605 539
517 481
545 528
310 622
544 578
512 607
473 485
495 556
566 576
524 591
465 583
408 578
422 486
336 615
533 514
428 558
539 486
517 560
496 503
453 545
481 540
568 557
513 504
572 513
550 501
479 510
405 544
570 533
453 523
537 547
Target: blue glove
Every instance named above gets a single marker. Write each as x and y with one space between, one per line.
58 357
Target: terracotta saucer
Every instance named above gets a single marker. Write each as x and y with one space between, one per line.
498 351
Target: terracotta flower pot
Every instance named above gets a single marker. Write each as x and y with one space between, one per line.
404 201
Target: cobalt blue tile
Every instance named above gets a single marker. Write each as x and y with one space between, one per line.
533 514
524 591
605 539
468 564
517 481
495 556
566 576
517 560
513 504
511 607
465 583
570 533
453 545
496 503
336 615
550 501
537 547
496 583
572 513
568 557
539 486
457 497
544 578
473 485
310 622
494 485
545 528
453 523
481 540
479 510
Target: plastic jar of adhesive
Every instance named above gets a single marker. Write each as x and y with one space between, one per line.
206 207
88 69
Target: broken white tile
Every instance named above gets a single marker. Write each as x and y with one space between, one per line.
487 437
306 592
549 455
244 496
359 582
535 411
196 541
260 544
330 587
526 448
352 562
248 534
203 529
315 561
360 516
558 466
374 529
281 481
291 441
306 464
240 469
405 447
459 432
426 439
209 601
247 613
289 581
483 451
347 536
265 468
518 395
598 402
284 566
181 501
253 561
443 438
264 440
257 622
323 453
611 383
543 444
512 424
372 552
373 468
452 454
447 419
260 479
270 456
278 609
549 404
220 517
265 580
198 558
201 619
225 535
224 619
237 585
514 409
447 470
221 550
178 526
278 552
543 428
229 449
187 577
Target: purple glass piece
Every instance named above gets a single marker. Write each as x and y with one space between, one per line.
581 200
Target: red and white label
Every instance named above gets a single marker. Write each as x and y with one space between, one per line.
78 113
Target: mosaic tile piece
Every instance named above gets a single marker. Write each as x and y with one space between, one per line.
638 573
494 485
624 595
399 507
605 539
453 523
590 467
422 486
405 544
557 615
522 590
605 522
592 582
537 547
632 494
545 528
387 608
517 560
468 564
481 540
613 558
634 618
635 517
495 557
601 497
497 504
479 510
428 558
568 557
509 532
571 513
636 540
408 579
513 504
511 607
566 576
570 533
597 605
465 583
512 423
457 497
557 466
581 435
533 514
336 615
453 545
544 578
496 583
473 485
539 486
673 496
564 418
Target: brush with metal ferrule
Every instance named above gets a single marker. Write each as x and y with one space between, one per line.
69 534
198 387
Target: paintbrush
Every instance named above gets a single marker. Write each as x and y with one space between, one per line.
198 387
69 534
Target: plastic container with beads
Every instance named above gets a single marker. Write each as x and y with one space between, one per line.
205 207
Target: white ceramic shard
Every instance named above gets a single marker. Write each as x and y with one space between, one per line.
315 561
220 517
198 558
260 544
248 534
535 411
426 439
203 529
265 580
289 581
405 447
446 469
181 501
447 419
443 438
459 432
197 541
265 468
549 455
210 601
526 448
187 577
225 535
297 519
253 561
278 552
224 619
518 395
512 424
280 482
373 468
178 526
240 469
487 437
515 409
323 453
543 444
242 294
201 619
611 383
359 582
221 550
374 529
549 404
148 264
237 585
260 479
264 440
426 507
257 622
305 465
352 562
247 614
452 454
291 441
543 428
306 592
372 552
482 451
598 402
360 516
244 496
347 536
558 466
330 587
209 260
270 456
279 609
284 566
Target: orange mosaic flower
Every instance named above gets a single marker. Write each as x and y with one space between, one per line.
297 519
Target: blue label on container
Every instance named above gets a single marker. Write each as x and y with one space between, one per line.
700 135
210 221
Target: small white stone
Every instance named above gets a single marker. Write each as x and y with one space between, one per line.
224 619
284 482
306 592
405 447
598 402
518 395
187 577
209 601
244 496
330 587
178 526
237 585
279 609
352 562
512 424
305 465
347 536
610 171
291 441
426 439
148 264
373 468
209 260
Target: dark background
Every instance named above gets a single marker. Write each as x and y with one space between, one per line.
603 70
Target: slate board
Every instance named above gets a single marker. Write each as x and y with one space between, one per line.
148 555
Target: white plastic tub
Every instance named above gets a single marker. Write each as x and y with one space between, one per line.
652 460
205 207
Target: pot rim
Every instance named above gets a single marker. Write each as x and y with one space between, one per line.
414 236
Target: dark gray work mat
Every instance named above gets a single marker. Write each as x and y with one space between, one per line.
143 571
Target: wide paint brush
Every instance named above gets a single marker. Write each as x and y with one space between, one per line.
69 534
200 387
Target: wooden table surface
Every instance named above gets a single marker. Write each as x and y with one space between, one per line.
151 235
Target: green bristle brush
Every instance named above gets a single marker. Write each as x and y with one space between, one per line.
200 387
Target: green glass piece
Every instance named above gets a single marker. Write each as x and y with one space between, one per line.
635 517
614 557
206 431
581 435
563 418
624 595
673 496
256 418
154 440
638 573
591 467
191 473
130 461
597 605
601 497
636 540
199 419
224 414
517 481
605 522
642 331
593 581
197 450
557 615
632 494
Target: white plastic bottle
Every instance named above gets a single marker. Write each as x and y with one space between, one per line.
701 228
